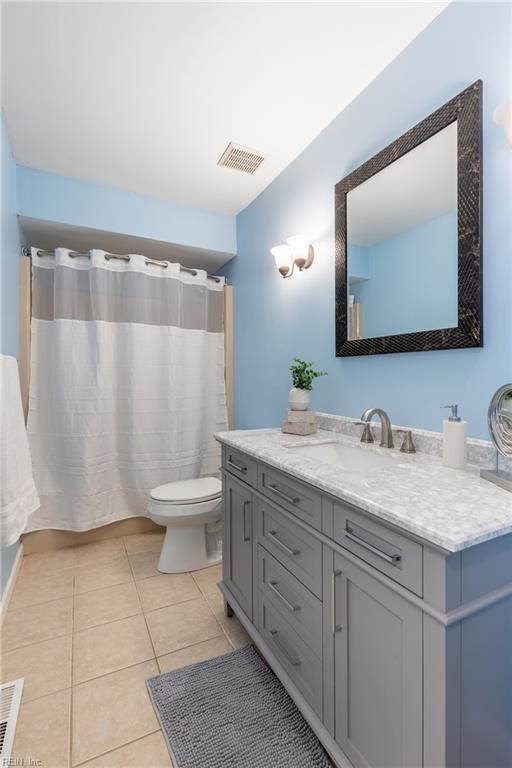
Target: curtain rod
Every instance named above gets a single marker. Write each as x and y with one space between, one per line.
122 257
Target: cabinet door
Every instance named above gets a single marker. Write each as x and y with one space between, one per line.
238 542
377 671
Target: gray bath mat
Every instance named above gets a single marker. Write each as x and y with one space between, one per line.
232 712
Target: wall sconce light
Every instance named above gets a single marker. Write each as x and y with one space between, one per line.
503 116
298 252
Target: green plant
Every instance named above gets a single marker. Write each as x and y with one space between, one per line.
303 374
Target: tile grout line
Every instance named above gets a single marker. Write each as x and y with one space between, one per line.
192 645
170 605
108 623
143 611
37 642
97 589
70 747
112 672
114 749
218 622
43 602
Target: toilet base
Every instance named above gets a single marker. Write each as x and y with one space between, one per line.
184 549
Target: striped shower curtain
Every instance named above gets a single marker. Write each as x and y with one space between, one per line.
127 383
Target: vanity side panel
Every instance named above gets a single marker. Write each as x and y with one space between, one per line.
486 651
486 567
441 579
441 661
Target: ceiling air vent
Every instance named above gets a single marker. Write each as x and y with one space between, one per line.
241 158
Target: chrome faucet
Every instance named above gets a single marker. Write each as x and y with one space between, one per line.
386 440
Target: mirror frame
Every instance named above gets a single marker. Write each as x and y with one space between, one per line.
466 110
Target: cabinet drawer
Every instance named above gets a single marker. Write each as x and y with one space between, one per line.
291 545
388 551
302 665
294 496
301 609
239 465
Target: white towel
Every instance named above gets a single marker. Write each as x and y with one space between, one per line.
18 495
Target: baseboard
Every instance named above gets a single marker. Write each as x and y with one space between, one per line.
11 583
50 539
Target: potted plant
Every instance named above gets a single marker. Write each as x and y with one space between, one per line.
303 375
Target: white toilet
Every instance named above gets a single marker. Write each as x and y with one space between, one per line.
191 511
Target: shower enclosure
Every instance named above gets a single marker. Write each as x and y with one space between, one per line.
127 382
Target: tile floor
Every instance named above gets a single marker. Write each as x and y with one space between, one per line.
85 627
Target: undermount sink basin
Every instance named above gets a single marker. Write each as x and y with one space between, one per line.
348 458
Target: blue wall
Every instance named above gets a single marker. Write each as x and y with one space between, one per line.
51 197
276 319
412 279
9 263
11 245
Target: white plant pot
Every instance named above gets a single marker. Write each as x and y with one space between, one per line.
298 399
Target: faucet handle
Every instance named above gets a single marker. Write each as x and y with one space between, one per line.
367 436
408 443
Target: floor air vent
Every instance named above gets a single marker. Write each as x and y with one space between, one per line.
241 158
10 697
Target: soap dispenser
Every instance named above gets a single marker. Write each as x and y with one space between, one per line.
454 440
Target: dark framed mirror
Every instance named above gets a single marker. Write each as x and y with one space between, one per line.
408 239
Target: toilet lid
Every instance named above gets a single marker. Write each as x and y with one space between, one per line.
188 491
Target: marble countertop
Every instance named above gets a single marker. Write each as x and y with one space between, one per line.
453 509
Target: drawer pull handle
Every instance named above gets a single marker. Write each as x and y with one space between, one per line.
285 547
238 467
335 627
392 559
247 505
273 585
294 660
290 499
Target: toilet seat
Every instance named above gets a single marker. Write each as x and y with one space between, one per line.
186 508
187 491
164 509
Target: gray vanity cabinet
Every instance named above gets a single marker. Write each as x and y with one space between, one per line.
396 651
377 671
238 549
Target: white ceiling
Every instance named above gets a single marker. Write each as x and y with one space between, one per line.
418 187
146 96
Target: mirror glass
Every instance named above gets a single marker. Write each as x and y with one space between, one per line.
402 243
500 419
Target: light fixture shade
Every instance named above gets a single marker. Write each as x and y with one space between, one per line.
301 250
283 257
503 116
299 246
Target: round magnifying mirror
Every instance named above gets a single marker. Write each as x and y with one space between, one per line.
499 419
